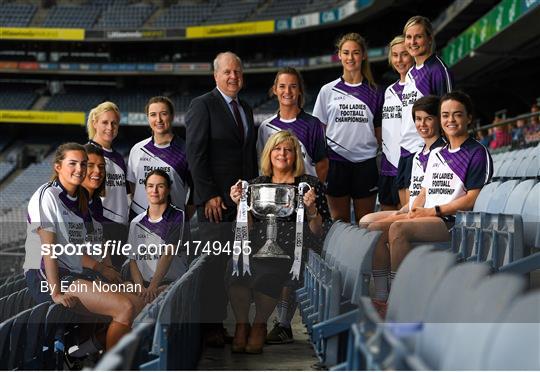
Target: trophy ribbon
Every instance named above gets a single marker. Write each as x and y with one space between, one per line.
241 233
299 235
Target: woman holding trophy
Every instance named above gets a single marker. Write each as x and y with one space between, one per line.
272 200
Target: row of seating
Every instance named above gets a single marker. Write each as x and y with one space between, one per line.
503 228
166 335
443 316
522 163
14 303
12 286
504 243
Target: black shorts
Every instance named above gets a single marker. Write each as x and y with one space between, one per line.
357 180
403 178
388 192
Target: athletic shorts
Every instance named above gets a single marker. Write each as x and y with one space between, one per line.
357 180
388 192
403 178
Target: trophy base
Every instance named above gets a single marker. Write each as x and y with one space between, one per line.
271 250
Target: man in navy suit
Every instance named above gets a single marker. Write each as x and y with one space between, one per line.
220 139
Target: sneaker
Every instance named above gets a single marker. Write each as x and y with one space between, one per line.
381 307
279 335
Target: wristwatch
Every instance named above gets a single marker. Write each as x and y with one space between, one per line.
311 216
438 211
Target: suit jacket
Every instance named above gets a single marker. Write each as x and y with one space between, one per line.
217 156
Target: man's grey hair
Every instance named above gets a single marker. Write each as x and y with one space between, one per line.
218 57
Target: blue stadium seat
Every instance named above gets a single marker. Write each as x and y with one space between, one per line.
470 336
484 197
420 273
34 345
516 341
498 198
454 293
5 330
17 340
127 354
531 218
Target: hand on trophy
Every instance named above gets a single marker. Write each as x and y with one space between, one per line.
309 202
236 192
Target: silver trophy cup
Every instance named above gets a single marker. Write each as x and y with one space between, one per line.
271 201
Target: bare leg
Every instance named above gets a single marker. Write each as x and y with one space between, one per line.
374 217
240 298
340 208
363 206
403 196
240 301
424 229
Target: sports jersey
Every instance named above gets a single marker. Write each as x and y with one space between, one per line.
391 127
433 77
95 234
450 173
307 128
350 112
419 165
53 209
167 230
145 157
115 202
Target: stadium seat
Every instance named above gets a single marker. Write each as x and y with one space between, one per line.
34 344
482 201
5 329
420 273
516 341
445 308
126 354
470 335
17 340
499 198
516 200
531 218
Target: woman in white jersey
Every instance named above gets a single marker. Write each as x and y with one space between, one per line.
454 176
163 150
428 76
351 109
161 224
102 126
58 214
401 61
289 89
426 117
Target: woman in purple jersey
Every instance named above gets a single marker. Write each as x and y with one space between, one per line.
453 179
401 61
428 76
289 89
102 126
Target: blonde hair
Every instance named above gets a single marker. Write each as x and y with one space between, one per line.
301 87
96 112
59 156
274 140
400 39
428 28
365 69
